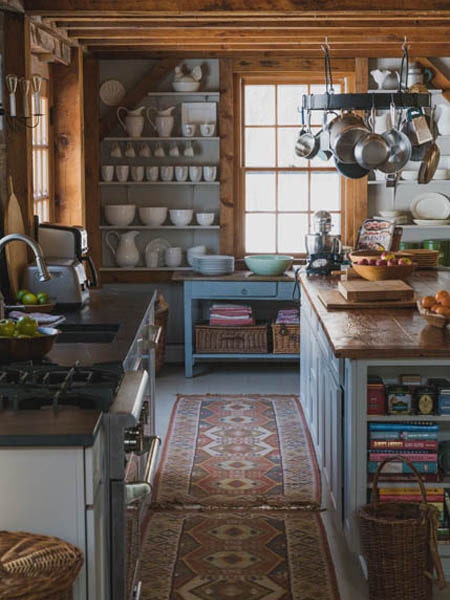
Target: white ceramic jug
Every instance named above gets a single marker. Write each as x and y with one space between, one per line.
386 79
133 123
126 252
443 118
163 121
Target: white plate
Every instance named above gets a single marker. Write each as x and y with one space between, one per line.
111 92
431 222
159 246
430 205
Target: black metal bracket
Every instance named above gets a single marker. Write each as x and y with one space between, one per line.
367 101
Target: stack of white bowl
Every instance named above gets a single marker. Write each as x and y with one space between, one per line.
213 264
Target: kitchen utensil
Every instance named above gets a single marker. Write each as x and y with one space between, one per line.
137 172
187 81
308 144
133 121
345 131
111 92
206 219
181 217
120 215
144 150
116 150
173 256
16 252
429 163
358 290
386 79
129 150
209 173
419 125
166 172
432 318
125 252
152 215
350 170
122 172
443 118
163 120
431 222
194 251
372 149
32 348
399 147
181 172
430 205
156 249
375 273
207 129
269 264
107 172
174 150
11 85
188 149
333 299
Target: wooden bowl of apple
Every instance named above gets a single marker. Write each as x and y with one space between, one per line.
375 265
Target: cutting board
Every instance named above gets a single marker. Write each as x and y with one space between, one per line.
334 299
16 252
360 290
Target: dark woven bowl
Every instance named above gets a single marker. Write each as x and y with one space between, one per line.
32 348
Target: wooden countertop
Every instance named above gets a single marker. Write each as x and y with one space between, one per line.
238 276
381 333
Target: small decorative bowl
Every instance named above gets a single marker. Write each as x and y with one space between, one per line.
374 273
432 318
268 264
30 348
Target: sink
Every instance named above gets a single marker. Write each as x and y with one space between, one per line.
87 333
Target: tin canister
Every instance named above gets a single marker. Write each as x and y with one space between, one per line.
442 246
408 245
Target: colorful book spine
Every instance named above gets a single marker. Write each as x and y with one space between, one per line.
412 456
403 435
399 477
401 491
400 467
389 426
404 445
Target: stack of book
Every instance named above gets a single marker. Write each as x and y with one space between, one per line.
418 442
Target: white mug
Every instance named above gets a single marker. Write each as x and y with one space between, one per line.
166 173
195 173
173 257
152 173
159 150
137 173
174 150
116 150
209 173
122 172
189 129
181 173
108 172
207 129
129 150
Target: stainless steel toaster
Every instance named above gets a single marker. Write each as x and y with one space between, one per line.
68 283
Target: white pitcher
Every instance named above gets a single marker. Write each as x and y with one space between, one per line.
125 253
163 121
134 120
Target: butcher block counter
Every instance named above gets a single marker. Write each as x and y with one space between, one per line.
391 332
340 350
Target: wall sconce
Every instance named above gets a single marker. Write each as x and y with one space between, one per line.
30 89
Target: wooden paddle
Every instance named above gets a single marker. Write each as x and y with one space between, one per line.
16 252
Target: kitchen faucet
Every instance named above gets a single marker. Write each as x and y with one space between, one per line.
44 275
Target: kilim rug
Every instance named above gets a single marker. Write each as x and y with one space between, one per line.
237 451
273 555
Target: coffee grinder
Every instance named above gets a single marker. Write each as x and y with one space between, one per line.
323 249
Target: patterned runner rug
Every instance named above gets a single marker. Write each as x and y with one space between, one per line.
237 556
237 451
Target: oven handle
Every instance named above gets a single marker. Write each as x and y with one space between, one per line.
139 489
151 340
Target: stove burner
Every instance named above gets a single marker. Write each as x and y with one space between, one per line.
25 386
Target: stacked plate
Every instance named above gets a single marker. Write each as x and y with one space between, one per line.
423 258
430 208
213 264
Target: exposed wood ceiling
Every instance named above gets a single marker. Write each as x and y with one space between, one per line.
225 27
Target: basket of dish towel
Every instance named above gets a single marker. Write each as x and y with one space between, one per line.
161 320
399 544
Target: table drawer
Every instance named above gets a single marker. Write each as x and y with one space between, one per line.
219 289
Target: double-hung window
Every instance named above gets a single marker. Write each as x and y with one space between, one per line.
41 159
278 191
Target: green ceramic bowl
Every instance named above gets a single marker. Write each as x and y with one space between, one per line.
268 264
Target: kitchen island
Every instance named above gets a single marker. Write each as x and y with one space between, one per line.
339 350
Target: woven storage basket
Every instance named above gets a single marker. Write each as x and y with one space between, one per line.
161 320
286 338
37 567
399 544
251 339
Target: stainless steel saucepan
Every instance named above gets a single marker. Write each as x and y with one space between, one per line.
373 149
399 147
345 132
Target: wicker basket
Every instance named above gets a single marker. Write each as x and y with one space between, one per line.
251 339
161 320
286 338
37 567
398 541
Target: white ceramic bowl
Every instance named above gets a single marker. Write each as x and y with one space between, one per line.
205 219
181 216
152 215
185 86
120 214
194 251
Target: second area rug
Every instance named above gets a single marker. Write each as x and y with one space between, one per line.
237 451
237 555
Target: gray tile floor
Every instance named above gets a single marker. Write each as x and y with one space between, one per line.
259 379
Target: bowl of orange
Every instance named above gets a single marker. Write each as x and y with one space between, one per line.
375 265
435 309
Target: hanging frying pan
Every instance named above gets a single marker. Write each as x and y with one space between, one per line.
350 170
429 163
16 252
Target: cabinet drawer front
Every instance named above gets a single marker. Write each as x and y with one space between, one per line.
219 289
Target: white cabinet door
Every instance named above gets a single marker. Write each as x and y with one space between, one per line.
96 547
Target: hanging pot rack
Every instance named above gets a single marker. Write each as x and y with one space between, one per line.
365 101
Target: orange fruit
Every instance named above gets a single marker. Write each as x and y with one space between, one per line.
428 301
442 310
441 294
435 307
445 301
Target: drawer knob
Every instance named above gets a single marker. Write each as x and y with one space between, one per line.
244 291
